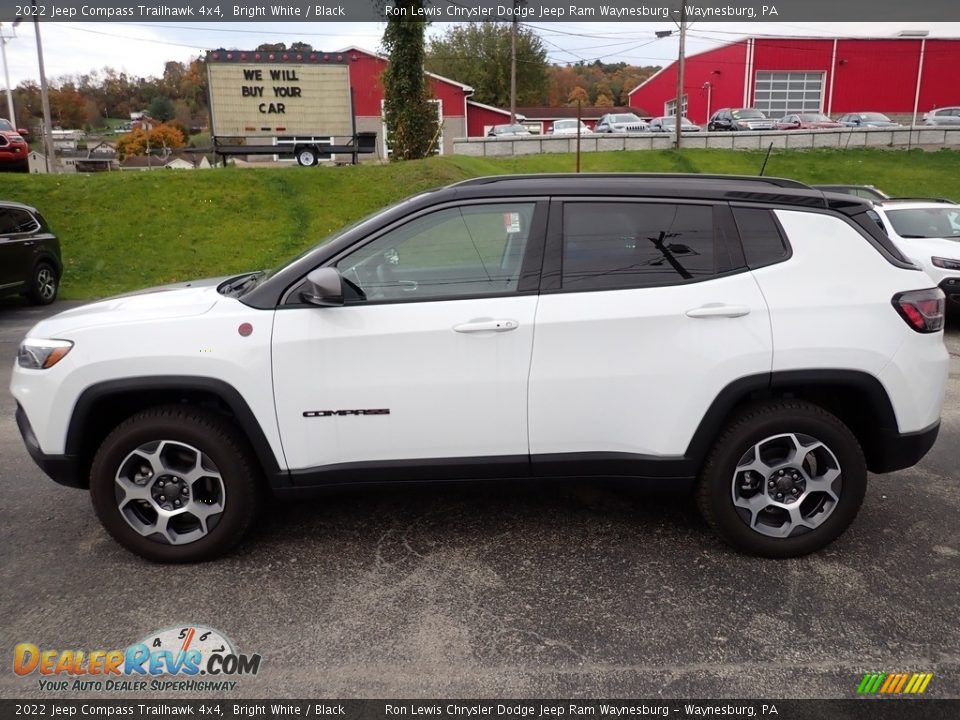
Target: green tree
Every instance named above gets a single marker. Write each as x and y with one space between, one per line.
161 108
409 116
478 54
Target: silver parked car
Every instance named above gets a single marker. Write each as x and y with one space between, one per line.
668 123
500 131
620 123
943 116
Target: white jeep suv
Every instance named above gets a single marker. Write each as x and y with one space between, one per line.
699 329
928 232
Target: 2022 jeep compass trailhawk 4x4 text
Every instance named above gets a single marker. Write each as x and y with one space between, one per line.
699 328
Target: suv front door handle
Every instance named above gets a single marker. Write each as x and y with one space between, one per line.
476 326
718 310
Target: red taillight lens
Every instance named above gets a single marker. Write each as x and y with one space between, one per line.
922 309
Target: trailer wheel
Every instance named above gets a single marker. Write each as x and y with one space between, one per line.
306 156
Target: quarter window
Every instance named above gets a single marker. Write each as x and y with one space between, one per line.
627 245
455 252
760 236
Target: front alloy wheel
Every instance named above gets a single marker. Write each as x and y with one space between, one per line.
175 484
170 492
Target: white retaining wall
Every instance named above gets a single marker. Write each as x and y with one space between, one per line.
902 138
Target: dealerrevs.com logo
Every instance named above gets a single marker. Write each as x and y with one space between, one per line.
187 658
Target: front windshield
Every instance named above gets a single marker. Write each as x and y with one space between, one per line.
747 114
874 117
926 222
813 117
5 125
626 118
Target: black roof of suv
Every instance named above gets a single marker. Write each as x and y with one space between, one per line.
771 191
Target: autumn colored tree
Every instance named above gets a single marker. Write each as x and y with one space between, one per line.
158 141
578 94
133 143
603 101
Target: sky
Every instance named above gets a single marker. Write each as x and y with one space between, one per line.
141 49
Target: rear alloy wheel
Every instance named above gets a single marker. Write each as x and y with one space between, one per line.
307 157
785 479
44 284
175 484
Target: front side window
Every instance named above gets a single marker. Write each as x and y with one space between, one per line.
455 252
614 245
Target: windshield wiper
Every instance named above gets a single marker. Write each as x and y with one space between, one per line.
241 283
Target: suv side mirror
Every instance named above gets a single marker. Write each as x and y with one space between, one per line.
323 287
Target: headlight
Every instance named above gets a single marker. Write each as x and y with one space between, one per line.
42 354
946 263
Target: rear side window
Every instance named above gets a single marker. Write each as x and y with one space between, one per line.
760 235
14 220
609 246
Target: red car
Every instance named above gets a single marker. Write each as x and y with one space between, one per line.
13 148
806 121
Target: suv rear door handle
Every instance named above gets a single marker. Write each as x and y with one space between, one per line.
718 310
476 326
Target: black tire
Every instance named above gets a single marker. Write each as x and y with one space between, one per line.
306 156
711 127
44 284
216 438
714 493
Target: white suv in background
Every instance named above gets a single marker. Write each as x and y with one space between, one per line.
928 232
699 329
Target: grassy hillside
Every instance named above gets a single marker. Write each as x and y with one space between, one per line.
122 231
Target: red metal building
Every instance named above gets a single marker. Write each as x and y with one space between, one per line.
778 75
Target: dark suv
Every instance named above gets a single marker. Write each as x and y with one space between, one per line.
739 119
29 255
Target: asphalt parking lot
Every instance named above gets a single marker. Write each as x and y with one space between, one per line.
575 590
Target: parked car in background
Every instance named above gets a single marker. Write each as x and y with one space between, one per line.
926 230
569 127
29 255
806 121
668 123
621 123
502 131
739 119
13 148
868 192
943 116
867 120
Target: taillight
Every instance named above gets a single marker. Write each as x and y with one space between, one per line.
922 309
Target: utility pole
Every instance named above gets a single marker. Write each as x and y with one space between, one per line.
45 101
513 64
6 71
680 59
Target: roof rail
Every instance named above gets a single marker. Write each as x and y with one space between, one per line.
761 180
944 200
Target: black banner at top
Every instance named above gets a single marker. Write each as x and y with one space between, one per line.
739 11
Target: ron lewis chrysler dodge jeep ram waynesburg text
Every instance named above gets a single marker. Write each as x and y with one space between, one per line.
699 328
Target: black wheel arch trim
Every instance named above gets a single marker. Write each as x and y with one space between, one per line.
888 450
221 389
